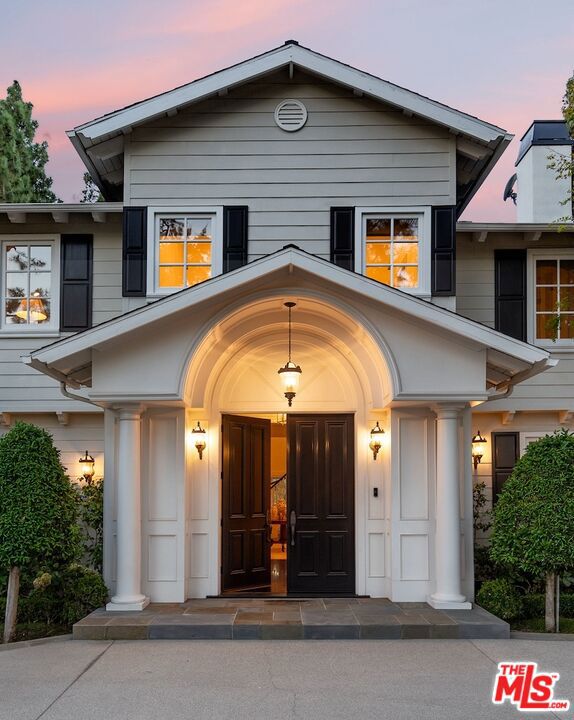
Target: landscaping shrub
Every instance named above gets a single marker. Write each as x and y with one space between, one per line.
501 598
37 510
534 515
533 605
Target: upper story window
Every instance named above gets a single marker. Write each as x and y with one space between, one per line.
186 249
394 248
553 319
30 289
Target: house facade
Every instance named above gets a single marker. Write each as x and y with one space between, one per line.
289 208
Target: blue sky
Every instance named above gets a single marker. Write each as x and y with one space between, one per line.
506 62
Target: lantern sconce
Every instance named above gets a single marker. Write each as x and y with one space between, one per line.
290 372
199 434
88 466
376 440
478 443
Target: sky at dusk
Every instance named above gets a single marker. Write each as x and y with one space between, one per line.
505 62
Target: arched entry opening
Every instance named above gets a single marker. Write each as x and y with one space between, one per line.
337 491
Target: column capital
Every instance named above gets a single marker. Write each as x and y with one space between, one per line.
448 411
129 411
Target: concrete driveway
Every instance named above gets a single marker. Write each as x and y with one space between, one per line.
276 680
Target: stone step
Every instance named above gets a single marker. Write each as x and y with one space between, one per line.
317 619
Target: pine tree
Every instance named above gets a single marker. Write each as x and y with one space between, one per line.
22 160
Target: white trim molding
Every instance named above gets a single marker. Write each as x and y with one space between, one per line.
153 216
421 211
52 327
534 254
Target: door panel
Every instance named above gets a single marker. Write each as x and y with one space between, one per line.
321 552
246 483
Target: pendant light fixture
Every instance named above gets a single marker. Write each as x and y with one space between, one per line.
290 372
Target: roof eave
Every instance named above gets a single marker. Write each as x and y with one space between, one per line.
273 60
421 309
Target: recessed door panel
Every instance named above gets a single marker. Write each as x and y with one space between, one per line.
246 482
321 556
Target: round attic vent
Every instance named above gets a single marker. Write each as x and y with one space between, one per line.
290 115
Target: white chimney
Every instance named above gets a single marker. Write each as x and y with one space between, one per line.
540 193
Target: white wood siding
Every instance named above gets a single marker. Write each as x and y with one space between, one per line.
228 150
83 432
23 389
553 389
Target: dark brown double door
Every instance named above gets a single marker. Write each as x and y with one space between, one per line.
320 504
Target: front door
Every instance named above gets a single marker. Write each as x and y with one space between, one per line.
320 504
246 483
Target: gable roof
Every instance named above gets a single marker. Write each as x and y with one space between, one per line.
100 141
509 360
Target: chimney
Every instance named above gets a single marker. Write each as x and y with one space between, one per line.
539 191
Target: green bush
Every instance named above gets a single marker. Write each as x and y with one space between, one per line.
90 499
533 605
83 591
501 598
61 598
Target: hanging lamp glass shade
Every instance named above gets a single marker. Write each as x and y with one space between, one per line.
290 373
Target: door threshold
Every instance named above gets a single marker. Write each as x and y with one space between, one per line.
289 596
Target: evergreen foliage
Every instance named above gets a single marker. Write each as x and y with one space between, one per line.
23 177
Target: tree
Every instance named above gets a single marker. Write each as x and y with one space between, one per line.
22 161
533 527
38 526
563 163
91 192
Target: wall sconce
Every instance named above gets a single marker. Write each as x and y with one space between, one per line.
478 443
88 466
376 440
199 435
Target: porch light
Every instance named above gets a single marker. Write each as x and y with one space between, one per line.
478 443
376 440
88 466
290 372
199 434
32 311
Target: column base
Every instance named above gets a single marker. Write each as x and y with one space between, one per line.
135 602
439 603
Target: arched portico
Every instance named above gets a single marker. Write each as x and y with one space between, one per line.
233 369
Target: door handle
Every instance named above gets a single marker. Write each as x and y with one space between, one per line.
292 524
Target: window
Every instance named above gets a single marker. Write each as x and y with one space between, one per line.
553 301
394 248
30 288
185 249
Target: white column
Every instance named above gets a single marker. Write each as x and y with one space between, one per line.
128 588
447 594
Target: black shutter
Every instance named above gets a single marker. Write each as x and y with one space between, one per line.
134 255
235 223
443 252
510 292
343 237
76 282
505 453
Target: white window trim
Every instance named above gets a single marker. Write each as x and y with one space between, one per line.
533 255
361 214
53 327
153 213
